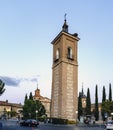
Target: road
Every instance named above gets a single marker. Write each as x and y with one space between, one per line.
13 125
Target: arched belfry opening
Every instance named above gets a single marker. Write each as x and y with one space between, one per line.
70 52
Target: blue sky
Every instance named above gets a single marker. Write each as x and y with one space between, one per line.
27 29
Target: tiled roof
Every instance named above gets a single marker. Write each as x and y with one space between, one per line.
6 103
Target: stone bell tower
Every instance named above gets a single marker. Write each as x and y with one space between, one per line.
64 94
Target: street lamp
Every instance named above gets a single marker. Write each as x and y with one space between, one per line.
29 115
36 113
76 116
112 115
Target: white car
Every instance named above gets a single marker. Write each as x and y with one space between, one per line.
109 125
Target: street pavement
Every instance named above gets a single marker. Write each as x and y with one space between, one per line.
14 125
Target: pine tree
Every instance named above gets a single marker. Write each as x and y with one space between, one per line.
88 103
104 94
80 110
103 100
2 89
96 104
26 98
110 93
31 96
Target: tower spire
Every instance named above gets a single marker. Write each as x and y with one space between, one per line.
65 26
82 90
37 85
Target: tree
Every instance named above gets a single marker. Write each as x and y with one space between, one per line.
33 109
2 89
110 93
40 108
104 94
29 109
26 98
107 108
80 110
31 96
103 100
88 103
96 104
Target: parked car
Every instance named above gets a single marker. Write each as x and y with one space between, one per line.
109 125
29 122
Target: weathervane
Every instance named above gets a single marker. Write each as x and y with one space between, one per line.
65 26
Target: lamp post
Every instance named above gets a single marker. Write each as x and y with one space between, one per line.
105 116
29 115
112 115
76 116
36 113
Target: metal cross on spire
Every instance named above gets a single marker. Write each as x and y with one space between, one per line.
65 26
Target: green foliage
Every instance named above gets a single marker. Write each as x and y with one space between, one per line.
104 94
26 98
2 84
12 113
107 107
71 122
33 109
59 121
42 119
29 109
41 109
88 103
80 110
103 100
96 104
31 96
110 93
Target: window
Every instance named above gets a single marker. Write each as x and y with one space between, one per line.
57 54
70 56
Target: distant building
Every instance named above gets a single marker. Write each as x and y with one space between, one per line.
44 100
83 98
6 107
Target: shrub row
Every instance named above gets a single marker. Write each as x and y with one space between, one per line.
56 120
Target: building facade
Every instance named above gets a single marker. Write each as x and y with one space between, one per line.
64 95
6 107
44 100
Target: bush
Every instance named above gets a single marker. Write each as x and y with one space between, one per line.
71 122
59 121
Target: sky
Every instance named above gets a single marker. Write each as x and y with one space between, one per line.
27 29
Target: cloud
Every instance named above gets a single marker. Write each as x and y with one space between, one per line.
15 81
10 81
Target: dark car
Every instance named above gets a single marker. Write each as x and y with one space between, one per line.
29 122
